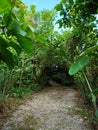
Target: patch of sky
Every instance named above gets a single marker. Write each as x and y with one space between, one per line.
42 4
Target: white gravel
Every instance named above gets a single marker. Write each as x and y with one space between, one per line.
53 108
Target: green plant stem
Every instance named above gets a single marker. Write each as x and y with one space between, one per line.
21 74
83 86
91 92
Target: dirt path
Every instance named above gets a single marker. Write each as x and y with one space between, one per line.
54 108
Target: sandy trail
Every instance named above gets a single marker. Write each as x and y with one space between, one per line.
54 108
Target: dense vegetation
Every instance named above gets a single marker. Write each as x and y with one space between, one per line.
32 49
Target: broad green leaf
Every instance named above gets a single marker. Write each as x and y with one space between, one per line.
18 28
5 5
78 65
40 38
25 42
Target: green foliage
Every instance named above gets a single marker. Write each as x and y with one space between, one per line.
80 16
78 65
20 92
12 33
5 6
77 12
29 44
90 50
26 43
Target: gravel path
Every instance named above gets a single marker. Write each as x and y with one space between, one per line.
54 108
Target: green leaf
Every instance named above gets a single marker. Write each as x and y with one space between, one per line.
40 38
78 65
5 5
18 29
25 42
